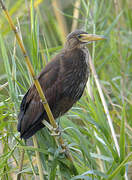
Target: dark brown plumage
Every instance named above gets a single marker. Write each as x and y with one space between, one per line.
63 81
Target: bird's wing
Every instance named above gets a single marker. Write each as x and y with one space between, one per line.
31 109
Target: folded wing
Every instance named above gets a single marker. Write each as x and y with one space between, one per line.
31 110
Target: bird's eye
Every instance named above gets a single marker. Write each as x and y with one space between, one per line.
79 36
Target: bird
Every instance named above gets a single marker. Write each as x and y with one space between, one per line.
63 81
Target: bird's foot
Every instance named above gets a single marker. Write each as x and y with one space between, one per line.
64 149
55 131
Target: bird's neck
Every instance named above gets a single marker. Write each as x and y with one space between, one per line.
79 56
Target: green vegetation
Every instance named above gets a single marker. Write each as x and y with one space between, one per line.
43 26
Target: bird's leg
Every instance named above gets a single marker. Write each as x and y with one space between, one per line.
55 131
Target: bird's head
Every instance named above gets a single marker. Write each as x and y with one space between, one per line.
79 38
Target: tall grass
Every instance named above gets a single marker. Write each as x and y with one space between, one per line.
85 128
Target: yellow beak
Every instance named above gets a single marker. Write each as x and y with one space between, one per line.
90 37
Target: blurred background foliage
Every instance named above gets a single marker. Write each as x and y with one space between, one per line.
43 26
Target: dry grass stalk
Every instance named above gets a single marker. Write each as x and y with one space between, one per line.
21 164
104 104
60 19
75 15
38 159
